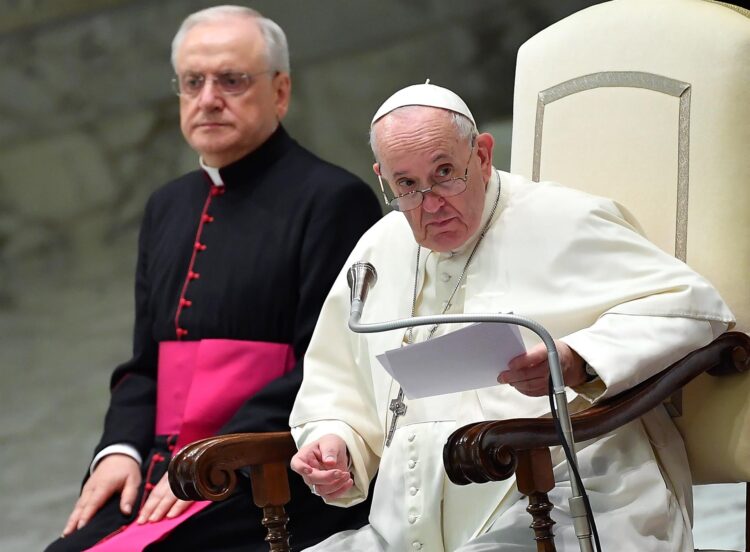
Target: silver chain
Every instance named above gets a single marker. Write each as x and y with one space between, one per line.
448 304
397 405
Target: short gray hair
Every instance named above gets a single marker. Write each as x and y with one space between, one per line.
465 128
277 49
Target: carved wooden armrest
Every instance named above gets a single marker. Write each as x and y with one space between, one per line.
492 451
206 470
487 451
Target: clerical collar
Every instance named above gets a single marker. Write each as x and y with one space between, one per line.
212 172
254 163
489 200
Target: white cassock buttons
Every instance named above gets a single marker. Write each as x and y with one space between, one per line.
412 464
412 519
416 545
413 491
445 277
412 436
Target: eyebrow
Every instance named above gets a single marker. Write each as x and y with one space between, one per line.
438 157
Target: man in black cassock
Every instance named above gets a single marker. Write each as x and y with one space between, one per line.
234 263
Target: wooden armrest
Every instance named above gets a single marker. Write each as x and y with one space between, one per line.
488 451
205 469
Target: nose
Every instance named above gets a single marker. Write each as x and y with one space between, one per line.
208 98
432 203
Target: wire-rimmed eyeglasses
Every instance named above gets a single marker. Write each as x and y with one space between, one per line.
231 83
449 187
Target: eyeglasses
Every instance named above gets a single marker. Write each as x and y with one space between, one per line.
449 187
231 83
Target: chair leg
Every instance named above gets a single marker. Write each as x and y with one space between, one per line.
275 520
270 492
534 478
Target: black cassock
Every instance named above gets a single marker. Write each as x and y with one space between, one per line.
252 260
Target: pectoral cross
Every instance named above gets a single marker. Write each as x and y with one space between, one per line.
398 407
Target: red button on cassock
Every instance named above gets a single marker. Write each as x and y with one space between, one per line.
199 246
193 275
181 332
185 302
208 218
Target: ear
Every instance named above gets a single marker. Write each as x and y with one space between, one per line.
485 143
376 168
282 86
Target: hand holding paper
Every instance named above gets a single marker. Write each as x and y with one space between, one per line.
529 373
469 358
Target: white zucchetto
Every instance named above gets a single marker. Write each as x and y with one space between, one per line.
428 95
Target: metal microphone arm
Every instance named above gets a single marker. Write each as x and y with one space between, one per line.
362 275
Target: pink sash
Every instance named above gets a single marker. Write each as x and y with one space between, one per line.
201 384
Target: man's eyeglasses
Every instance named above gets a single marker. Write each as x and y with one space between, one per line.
231 83
449 187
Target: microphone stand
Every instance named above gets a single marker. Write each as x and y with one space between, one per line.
362 275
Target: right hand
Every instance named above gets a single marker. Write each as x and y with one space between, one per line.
324 464
115 473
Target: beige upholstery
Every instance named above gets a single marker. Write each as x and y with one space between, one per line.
648 102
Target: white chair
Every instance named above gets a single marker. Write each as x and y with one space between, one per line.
648 102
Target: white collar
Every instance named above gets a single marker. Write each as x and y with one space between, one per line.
212 172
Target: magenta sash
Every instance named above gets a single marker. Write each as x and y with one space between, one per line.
200 385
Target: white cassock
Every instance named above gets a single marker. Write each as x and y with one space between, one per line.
574 263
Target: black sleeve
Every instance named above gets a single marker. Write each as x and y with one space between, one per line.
338 219
131 414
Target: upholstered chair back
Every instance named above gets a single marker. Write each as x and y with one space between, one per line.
648 102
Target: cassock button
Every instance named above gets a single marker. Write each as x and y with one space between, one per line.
445 277
186 302
412 519
199 246
413 491
217 190
181 332
416 545
412 464
208 218
193 275
412 436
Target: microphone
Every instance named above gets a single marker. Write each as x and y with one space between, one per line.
361 277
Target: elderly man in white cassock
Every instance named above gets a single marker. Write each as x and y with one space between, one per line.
467 238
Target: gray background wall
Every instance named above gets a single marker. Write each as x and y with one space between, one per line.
88 129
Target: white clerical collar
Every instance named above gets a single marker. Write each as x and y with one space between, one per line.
489 200
212 172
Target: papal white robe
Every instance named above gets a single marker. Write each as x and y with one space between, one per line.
576 264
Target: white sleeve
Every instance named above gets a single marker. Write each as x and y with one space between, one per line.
121 448
625 350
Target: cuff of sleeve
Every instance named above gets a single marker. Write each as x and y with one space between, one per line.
120 448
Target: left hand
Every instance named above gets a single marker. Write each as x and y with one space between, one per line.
162 503
529 372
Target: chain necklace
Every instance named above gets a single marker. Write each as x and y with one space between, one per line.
397 405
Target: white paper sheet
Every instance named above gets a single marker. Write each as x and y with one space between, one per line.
469 358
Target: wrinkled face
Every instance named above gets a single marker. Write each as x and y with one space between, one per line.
421 146
222 127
